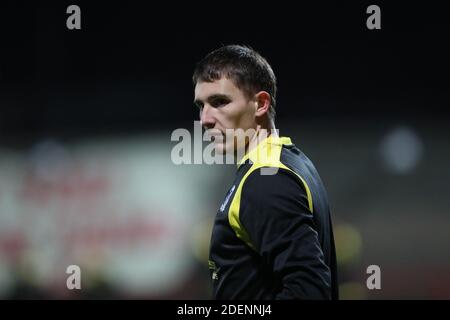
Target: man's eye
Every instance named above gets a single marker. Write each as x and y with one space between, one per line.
219 103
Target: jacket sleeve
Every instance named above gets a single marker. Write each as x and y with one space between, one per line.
274 211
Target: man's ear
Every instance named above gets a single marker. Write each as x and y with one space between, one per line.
263 101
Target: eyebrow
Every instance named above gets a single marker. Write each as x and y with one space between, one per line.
213 97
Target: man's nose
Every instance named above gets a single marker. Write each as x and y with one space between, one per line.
206 117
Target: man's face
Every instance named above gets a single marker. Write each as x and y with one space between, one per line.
224 106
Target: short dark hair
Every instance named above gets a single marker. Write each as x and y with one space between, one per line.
248 70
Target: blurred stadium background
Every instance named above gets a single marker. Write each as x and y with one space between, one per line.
86 118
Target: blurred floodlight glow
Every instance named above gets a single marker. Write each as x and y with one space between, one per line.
401 150
348 243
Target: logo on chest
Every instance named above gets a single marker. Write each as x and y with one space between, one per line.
227 198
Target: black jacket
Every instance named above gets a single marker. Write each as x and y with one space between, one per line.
272 237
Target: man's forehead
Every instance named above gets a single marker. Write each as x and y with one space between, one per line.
222 86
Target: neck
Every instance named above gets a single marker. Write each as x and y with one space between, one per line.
260 134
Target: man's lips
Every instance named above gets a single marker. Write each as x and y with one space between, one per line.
218 138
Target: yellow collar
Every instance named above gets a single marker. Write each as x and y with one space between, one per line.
264 145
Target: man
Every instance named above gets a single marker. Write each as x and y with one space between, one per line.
272 237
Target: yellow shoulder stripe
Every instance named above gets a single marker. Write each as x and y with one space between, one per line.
270 158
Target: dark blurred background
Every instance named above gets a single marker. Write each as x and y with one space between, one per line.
86 118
